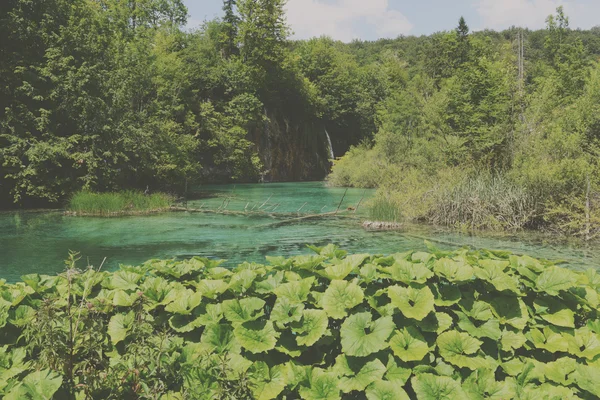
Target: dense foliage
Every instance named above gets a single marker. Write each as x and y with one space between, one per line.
487 130
110 95
435 325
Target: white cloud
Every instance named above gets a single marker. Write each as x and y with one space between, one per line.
339 18
499 14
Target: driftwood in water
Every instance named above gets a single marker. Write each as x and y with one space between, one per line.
299 219
381 226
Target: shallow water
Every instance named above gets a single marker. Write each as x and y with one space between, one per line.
34 242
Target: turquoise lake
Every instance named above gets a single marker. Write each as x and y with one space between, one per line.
39 242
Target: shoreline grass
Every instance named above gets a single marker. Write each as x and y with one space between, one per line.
118 203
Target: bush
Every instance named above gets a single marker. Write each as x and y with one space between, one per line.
128 202
424 325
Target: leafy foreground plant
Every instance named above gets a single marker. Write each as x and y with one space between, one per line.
438 325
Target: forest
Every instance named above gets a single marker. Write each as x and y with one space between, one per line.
476 130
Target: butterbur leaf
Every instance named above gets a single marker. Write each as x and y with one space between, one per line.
512 340
124 299
555 279
341 296
212 288
555 312
384 390
295 292
312 326
409 344
510 310
407 272
460 349
584 344
271 383
185 303
41 385
119 326
356 374
432 387
244 310
242 280
285 312
22 316
256 336
453 271
413 302
361 336
340 269
219 338
548 339
323 386
369 273
446 295
478 310
395 373
588 378
482 384
489 329
560 371
436 322
125 280
493 272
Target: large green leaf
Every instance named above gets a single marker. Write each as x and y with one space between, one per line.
295 292
312 326
340 269
549 339
409 344
256 336
432 387
460 349
268 383
510 310
38 385
384 390
244 310
212 288
119 326
356 374
452 270
187 300
219 338
489 329
125 280
414 302
555 312
340 297
588 378
492 271
446 295
512 340
285 312
361 336
408 272
585 343
323 386
482 384
555 279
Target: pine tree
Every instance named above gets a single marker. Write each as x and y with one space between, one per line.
230 29
463 45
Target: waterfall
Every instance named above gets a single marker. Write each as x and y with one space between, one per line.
331 154
268 156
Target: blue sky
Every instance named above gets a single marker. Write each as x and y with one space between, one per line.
372 19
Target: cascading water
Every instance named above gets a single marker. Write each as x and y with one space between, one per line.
268 156
331 154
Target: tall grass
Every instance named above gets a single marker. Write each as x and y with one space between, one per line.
121 203
384 208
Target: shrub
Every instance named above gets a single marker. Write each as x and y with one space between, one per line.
128 202
424 325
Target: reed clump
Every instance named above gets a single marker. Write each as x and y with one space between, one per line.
118 203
